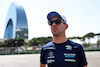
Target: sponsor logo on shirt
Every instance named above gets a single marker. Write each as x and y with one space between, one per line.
68 47
70 60
51 53
50 61
70 57
50 57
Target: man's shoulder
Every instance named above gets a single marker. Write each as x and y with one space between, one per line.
74 44
49 45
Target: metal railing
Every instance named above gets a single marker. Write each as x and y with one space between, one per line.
15 50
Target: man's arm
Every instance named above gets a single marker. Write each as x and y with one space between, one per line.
82 58
85 66
42 65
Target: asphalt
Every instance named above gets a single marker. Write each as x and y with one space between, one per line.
93 59
33 60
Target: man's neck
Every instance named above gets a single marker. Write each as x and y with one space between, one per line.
59 39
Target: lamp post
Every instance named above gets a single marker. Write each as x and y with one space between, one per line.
16 46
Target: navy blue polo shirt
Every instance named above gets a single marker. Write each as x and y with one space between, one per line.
68 54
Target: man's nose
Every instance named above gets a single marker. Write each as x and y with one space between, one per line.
54 24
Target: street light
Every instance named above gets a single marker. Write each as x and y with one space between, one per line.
16 46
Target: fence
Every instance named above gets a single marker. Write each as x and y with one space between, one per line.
20 50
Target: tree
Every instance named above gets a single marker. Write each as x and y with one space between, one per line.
98 42
2 44
14 42
40 40
89 35
9 43
20 41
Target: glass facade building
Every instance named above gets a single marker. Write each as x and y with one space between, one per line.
16 25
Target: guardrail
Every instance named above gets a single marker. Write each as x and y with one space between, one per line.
92 49
20 50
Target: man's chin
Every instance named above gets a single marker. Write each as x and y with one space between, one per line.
55 34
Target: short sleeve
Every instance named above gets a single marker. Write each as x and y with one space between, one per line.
82 58
42 57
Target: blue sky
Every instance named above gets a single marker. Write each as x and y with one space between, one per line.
83 16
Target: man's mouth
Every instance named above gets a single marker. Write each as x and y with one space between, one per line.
54 29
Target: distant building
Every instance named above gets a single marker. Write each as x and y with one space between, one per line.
16 25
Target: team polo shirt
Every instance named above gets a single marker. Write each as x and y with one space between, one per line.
68 54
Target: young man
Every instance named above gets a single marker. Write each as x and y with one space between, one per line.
61 52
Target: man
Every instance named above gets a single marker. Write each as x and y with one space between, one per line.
61 52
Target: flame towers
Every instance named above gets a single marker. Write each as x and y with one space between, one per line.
16 25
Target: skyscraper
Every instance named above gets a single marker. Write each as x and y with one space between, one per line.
16 25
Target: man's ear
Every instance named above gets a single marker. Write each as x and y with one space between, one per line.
66 25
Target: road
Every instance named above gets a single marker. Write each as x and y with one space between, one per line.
93 59
32 60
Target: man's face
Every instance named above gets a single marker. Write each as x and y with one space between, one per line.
57 29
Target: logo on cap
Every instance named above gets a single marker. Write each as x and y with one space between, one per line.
49 15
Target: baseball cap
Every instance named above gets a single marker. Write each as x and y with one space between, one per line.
53 13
